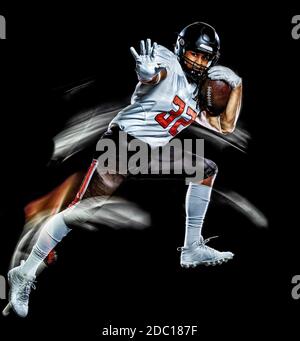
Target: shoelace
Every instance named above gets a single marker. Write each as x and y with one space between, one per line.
205 241
201 243
25 290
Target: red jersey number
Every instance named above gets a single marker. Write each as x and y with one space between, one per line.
164 119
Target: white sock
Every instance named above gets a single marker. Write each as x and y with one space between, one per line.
51 234
196 204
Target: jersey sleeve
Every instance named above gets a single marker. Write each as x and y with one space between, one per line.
169 59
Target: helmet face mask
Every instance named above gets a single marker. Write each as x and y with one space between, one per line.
194 70
198 37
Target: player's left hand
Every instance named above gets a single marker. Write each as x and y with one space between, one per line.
219 72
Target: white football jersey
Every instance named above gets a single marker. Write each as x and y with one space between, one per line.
159 112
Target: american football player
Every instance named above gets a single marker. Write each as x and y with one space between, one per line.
166 100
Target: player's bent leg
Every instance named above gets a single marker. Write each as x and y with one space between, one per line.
22 278
96 184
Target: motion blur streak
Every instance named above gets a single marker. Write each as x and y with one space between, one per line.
244 206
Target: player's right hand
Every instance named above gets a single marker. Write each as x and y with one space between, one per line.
146 66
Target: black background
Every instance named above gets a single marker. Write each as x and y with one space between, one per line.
129 278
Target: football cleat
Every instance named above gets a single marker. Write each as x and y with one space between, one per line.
201 254
20 288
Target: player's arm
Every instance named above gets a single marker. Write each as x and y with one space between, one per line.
230 116
227 120
148 70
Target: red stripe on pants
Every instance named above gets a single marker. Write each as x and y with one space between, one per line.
85 183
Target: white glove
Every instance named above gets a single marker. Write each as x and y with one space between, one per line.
146 66
219 72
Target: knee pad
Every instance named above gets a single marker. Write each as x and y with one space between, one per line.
210 168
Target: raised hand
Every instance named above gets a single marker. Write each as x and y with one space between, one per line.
146 65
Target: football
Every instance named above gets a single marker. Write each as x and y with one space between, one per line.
214 96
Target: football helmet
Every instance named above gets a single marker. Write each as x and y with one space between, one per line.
197 37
